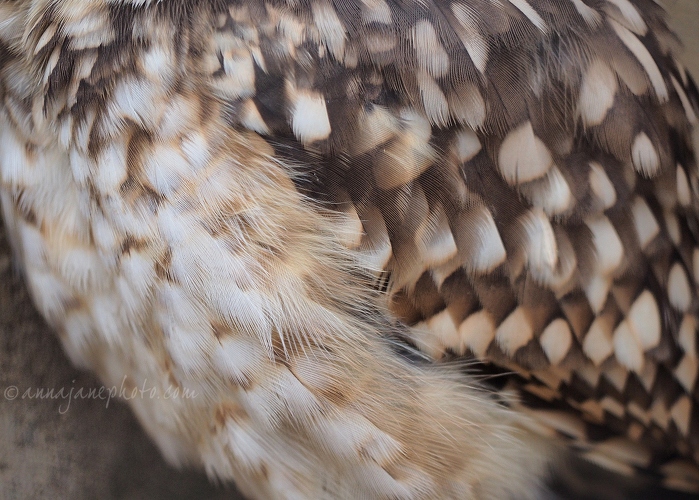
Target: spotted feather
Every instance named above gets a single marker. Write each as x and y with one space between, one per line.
303 209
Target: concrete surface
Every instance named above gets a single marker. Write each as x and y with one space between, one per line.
90 451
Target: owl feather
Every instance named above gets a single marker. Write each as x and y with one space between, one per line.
396 249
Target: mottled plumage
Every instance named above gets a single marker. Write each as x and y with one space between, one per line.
333 218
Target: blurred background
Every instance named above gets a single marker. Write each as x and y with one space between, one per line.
684 19
90 451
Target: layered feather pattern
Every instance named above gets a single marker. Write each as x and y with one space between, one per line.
286 204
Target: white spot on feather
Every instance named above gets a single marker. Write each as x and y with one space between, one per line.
176 227
467 145
439 246
165 169
45 38
644 57
408 156
686 372
79 329
376 11
376 126
443 328
331 30
639 413
597 290
443 271
15 168
240 74
597 344
310 120
681 413
349 228
107 315
177 116
33 244
263 403
196 149
608 247
515 331
137 279
378 43
429 51
301 404
477 332
647 228
239 358
80 266
475 43
158 64
523 156
111 170
559 420
644 320
349 435
551 193
673 227
137 100
244 446
433 99
599 86
87 29
466 105
375 250
81 70
541 248
556 340
246 311
627 349
480 241
425 340
251 118
601 186
291 27
644 155
50 293
531 14
684 194
590 15
678 289
631 18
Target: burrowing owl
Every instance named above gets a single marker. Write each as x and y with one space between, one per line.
398 248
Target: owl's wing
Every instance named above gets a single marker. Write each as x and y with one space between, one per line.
521 176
